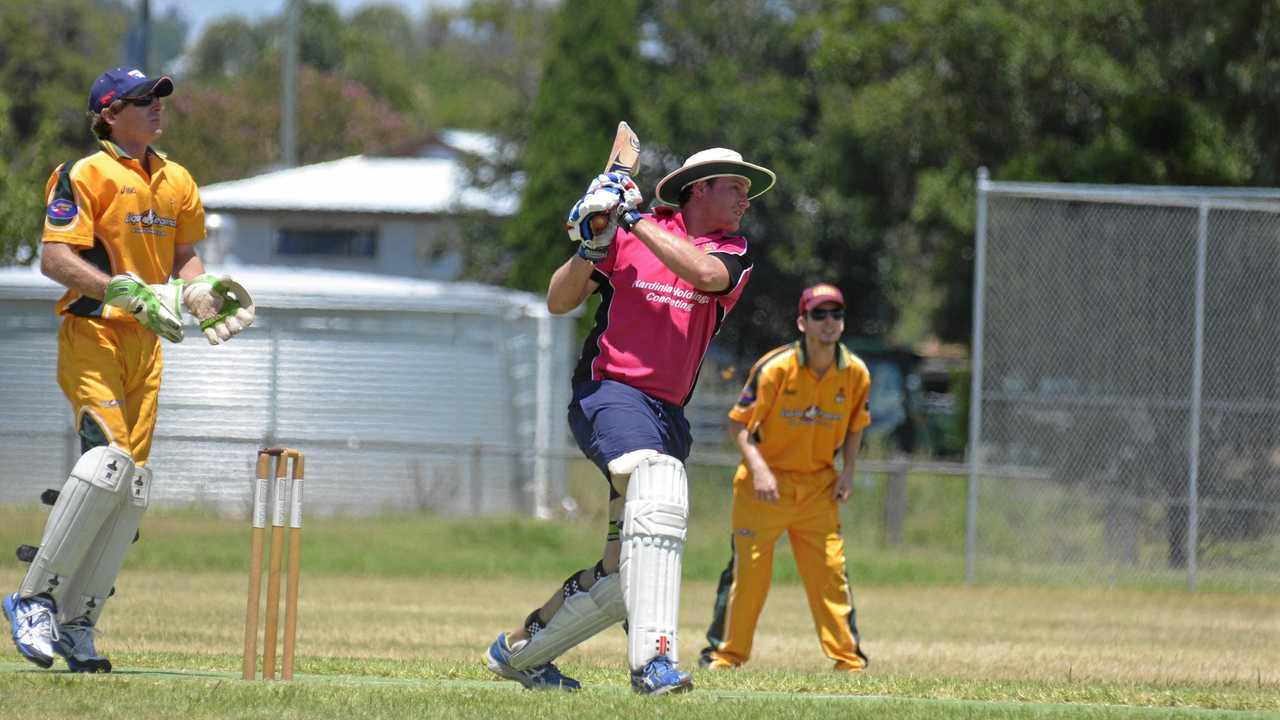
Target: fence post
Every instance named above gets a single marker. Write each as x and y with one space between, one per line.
975 380
1197 389
895 505
477 490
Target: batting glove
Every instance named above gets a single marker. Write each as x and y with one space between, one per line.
155 307
222 305
593 221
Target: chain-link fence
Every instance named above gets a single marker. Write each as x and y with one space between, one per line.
1127 385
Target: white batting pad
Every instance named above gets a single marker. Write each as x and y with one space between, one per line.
654 523
91 584
582 615
97 484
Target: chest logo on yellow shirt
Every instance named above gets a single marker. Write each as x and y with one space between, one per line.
840 397
149 222
809 415
128 190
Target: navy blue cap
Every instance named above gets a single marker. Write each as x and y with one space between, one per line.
123 82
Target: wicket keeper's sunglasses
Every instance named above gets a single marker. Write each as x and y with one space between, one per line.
822 313
140 101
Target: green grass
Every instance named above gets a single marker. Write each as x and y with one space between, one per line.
396 611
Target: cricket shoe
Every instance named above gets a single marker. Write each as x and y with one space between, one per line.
75 645
33 626
659 677
543 677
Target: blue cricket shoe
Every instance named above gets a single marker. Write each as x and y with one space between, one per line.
659 677
543 677
34 629
75 645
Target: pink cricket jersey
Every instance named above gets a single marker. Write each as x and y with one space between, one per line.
652 329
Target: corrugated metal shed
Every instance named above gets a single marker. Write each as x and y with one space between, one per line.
405 394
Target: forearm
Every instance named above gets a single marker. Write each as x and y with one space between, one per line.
186 262
750 451
570 285
684 259
62 264
852 443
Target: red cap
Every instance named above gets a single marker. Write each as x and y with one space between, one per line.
818 294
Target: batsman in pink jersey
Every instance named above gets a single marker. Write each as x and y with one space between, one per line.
667 281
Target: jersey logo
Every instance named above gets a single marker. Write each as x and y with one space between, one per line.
840 396
61 211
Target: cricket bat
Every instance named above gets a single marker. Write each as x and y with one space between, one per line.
624 158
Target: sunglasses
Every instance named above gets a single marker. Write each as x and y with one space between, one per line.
140 101
822 313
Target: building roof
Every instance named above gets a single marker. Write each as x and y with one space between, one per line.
436 183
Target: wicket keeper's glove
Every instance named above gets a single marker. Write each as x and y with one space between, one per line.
155 307
221 305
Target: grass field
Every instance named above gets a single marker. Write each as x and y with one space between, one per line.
396 612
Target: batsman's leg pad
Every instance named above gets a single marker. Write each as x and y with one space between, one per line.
99 481
582 615
92 582
655 520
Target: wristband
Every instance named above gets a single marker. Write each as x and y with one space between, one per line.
629 220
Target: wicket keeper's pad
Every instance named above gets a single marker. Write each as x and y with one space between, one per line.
91 584
99 481
582 615
654 523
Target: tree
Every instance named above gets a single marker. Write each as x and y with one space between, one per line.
43 97
710 89
590 81
921 93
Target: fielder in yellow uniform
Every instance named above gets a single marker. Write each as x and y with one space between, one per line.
802 405
118 225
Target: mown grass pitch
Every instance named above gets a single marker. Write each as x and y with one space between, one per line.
401 634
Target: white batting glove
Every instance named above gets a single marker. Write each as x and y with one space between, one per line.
155 307
222 305
608 196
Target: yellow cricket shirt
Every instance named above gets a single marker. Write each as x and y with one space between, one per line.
798 420
121 219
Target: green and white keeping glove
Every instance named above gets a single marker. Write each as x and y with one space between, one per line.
155 307
222 305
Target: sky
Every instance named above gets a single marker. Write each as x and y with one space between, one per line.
201 12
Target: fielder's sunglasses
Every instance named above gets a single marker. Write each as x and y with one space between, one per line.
822 313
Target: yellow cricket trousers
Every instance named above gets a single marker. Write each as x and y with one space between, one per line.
806 512
110 372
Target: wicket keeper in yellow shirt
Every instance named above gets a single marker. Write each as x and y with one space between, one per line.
119 224
802 404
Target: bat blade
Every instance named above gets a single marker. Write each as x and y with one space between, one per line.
624 158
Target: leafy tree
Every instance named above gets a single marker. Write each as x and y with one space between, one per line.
921 93
591 80
228 49
711 89
42 103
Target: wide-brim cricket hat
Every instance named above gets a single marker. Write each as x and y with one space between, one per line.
714 163
126 83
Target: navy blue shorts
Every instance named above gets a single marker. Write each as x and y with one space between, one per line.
610 419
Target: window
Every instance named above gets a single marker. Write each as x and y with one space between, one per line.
325 242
